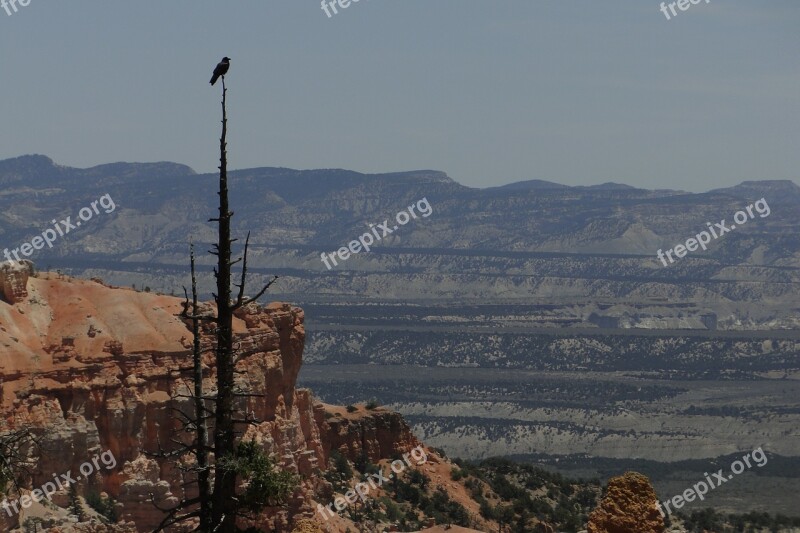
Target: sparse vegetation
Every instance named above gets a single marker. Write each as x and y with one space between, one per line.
511 494
75 505
265 484
710 520
372 404
105 506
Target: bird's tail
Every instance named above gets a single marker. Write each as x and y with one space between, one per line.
214 79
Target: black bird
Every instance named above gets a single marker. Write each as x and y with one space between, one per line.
221 70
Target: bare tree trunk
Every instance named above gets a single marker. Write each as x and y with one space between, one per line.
224 504
217 508
200 412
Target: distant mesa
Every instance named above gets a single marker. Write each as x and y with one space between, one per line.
45 172
543 185
775 191
530 185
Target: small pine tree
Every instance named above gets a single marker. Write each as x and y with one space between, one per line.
75 505
106 507
341 464
266 484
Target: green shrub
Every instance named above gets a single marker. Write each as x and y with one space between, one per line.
266 485
104 506
341 464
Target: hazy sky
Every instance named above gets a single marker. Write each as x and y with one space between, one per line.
493 91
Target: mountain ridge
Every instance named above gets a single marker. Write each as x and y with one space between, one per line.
35 164
584 244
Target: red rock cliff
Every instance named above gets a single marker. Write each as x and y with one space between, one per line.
96 368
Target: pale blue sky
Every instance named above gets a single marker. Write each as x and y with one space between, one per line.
491 92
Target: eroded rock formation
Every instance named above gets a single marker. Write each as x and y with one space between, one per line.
95 369
629 506
14 279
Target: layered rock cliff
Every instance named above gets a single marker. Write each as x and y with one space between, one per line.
94 370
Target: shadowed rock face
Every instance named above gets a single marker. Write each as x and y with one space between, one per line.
629 506
94 368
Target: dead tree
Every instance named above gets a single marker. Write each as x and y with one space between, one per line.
195 422
16 460
225 507
224 504
201 414
217 507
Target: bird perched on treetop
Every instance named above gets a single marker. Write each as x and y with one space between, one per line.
221 69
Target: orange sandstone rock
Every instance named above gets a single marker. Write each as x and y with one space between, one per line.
14 279
96 368
629 506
